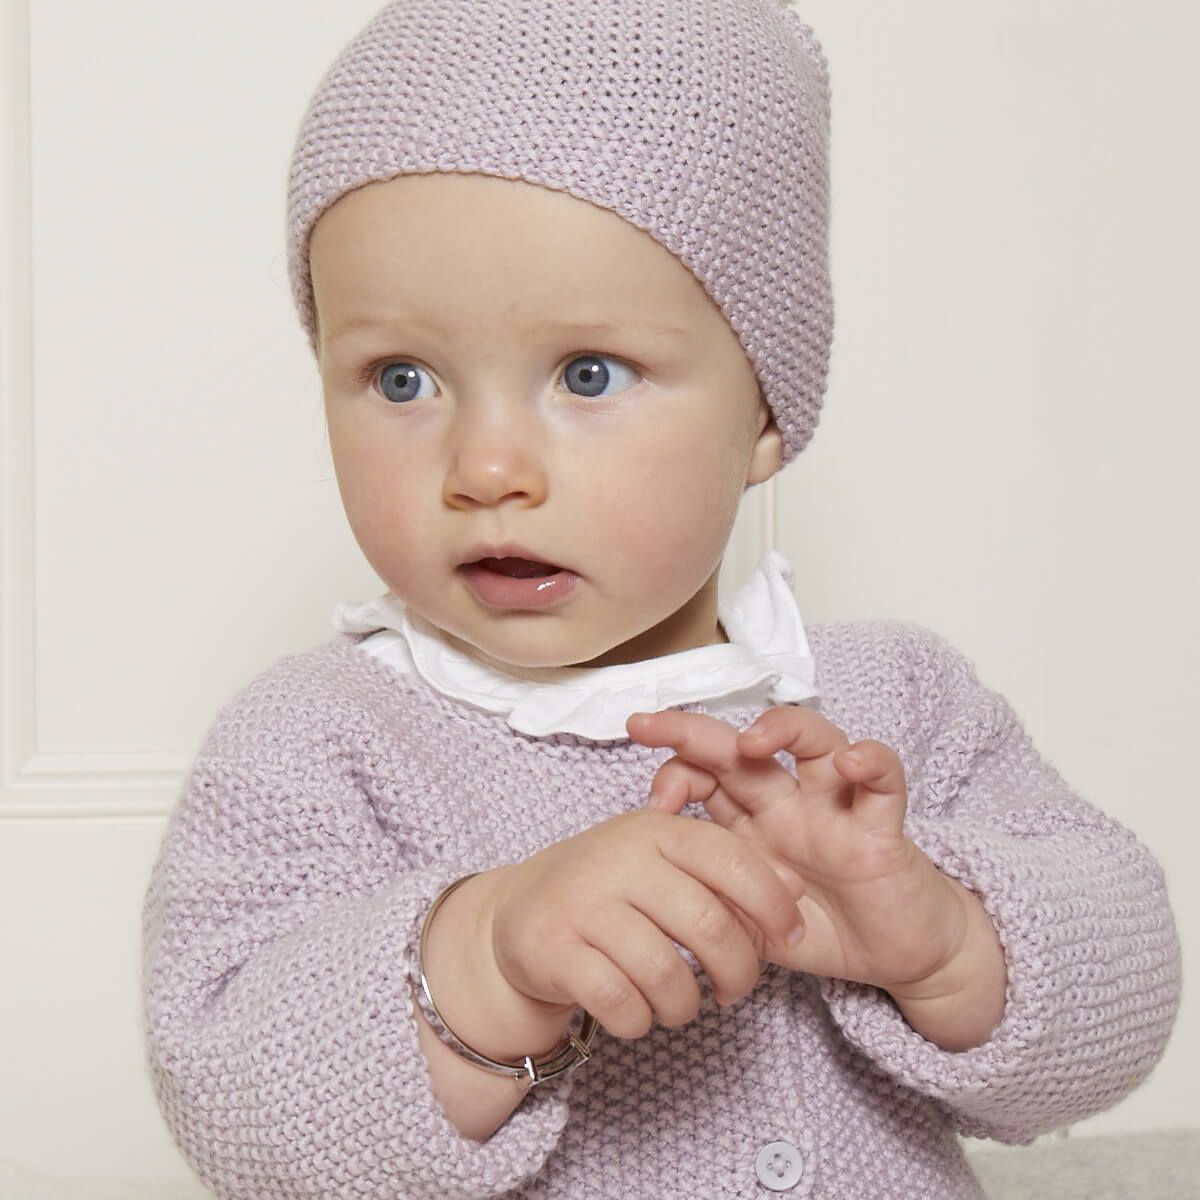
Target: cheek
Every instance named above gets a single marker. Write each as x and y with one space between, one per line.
665 496
378 493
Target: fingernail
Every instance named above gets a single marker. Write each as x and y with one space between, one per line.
796 936
853 756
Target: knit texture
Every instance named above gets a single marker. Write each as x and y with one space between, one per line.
334 797
706 126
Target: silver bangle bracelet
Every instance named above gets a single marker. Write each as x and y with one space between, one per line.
574 1049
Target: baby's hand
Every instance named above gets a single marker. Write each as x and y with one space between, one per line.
876 908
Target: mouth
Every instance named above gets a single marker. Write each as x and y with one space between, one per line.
510 583
516 568
509 558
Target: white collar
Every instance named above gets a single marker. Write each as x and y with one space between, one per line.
767 654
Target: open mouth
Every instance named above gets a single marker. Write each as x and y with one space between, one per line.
518 584
517 568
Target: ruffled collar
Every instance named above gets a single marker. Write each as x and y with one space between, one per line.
767 659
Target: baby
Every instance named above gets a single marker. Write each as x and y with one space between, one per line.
552 874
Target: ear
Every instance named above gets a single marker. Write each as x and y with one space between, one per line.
767 454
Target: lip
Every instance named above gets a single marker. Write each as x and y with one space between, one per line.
507 550
499 591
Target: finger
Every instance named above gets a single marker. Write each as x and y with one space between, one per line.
726 944
808 736
731 868
712 744
803 732
880 797
665 728
763 945
591 978
678 783
639 944
727 812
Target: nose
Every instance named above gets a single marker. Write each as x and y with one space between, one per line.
494 456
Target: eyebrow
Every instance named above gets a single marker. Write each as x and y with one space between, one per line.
375 324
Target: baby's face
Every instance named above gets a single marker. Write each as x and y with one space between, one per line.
522 392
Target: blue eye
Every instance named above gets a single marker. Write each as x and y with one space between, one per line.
399 381
594 375
398 377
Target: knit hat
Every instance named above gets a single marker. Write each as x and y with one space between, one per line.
704 124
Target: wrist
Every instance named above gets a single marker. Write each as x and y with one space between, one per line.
472 994
953 969
960 1005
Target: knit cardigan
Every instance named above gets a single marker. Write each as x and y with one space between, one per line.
334 797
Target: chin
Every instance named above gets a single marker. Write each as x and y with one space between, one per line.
543 656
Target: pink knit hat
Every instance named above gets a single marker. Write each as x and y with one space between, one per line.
704 124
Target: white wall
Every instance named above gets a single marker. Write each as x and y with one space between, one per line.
1008 447
1004 452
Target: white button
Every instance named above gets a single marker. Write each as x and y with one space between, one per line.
779 1166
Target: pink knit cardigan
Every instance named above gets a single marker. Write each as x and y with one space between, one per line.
334 797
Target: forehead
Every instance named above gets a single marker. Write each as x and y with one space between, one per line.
463 243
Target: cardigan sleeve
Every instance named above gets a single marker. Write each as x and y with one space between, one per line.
1080 906
279 935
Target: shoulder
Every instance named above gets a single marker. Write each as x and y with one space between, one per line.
308 698
334 702
908 686
900 661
